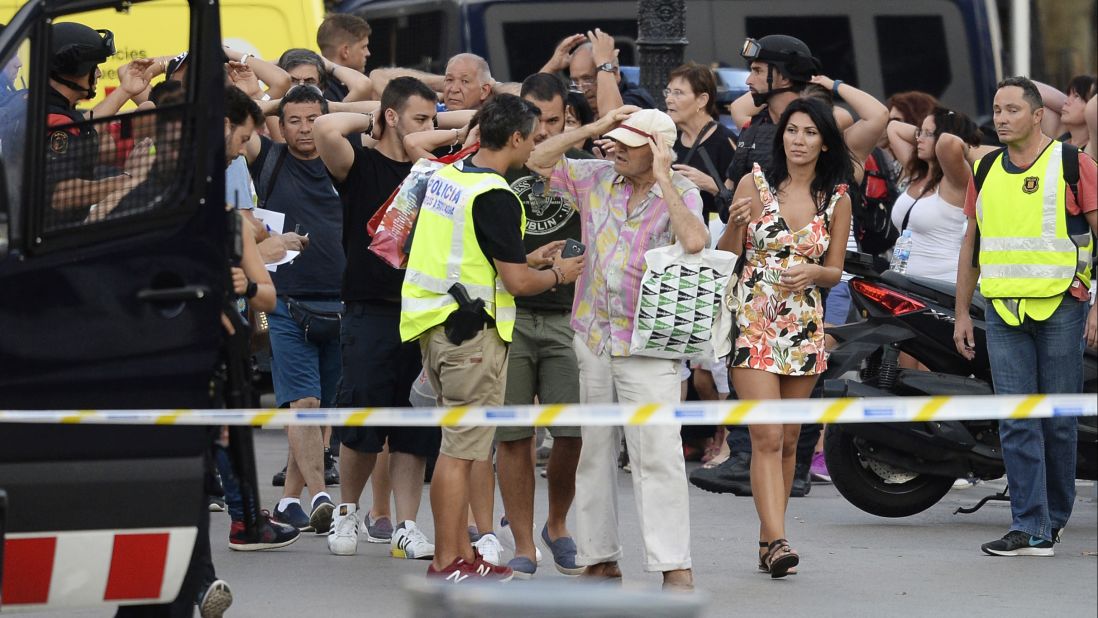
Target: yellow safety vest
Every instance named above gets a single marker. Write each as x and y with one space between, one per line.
445 251
1027 258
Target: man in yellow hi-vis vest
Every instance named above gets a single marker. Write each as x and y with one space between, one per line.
1034 266
466 265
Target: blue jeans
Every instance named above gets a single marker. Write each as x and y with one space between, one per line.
1039 357
233 500
301 368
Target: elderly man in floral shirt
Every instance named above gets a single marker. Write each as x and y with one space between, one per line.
628 205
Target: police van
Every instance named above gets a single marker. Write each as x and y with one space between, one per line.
948 48
111 312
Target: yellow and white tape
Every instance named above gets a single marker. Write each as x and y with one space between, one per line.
848 410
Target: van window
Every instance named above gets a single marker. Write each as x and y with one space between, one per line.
907 45
105 165
413 41
14 80
829 38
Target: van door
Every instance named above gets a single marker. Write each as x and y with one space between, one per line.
114 249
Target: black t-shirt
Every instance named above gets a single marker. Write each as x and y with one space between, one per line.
497 221
303 191
756 145
335 90
549 217
71 152
371 180
720 150
632 94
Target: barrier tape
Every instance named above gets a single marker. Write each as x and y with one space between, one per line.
847 410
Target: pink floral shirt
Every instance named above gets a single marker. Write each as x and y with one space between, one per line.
616 240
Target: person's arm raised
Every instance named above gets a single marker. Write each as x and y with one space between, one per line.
359 86
901 138
951 152
1051 123
562 55
687 226
743 109
608 95
278 81
872 117
548 153
1091 115
382 77
334 149
422 144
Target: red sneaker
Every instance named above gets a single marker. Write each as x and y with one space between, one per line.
461 571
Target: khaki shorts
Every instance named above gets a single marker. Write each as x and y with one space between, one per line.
541 363
471 374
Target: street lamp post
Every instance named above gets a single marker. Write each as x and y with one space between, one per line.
661 41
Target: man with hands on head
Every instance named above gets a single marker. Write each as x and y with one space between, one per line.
592 63
628 205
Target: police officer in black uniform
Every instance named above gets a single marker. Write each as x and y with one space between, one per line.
72 145
781 67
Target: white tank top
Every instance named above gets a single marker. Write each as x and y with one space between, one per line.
937 228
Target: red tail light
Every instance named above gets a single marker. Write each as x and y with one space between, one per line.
897 304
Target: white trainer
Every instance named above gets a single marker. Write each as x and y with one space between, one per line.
507 538
409 542
489 549
343 537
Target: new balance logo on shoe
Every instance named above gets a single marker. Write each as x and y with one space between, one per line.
457 577
483 569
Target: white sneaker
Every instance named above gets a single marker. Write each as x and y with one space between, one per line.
507 538
489 549
410 542
343 538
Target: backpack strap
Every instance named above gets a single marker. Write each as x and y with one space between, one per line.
1070 161
983 168
268 175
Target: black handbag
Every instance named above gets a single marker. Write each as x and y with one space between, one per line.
319 326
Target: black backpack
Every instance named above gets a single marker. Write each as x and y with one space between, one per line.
872 209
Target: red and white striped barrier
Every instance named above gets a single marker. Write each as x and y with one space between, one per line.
94 567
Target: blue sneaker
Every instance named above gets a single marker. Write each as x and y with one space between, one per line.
1018 543
321 518
564 553
524 568
293 515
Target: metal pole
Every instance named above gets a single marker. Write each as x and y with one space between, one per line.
661 41
1019 36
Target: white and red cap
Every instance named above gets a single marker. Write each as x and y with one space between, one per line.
643 125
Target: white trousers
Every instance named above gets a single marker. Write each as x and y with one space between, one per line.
655 457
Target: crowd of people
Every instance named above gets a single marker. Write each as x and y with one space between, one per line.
489 311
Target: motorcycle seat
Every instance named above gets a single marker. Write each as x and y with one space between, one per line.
942 292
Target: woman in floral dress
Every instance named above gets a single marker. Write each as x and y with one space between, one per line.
792 222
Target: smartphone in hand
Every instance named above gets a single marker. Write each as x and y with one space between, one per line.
572 248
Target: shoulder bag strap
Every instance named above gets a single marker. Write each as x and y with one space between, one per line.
267 181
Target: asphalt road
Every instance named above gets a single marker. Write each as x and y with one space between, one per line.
852 563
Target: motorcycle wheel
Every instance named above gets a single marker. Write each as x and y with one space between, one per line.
862 482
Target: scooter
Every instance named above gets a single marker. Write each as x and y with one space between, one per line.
900 469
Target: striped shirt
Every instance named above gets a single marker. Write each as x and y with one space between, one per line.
608 290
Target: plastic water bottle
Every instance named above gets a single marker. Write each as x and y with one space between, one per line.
901 253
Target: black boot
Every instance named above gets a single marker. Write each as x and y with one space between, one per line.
731 477
331 468
802 479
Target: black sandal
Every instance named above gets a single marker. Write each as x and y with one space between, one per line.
779 558
763 545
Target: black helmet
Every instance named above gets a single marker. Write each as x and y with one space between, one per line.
788 54
76 49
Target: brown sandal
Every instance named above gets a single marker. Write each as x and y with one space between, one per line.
779 558
763 545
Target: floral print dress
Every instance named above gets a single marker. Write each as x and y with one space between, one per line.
779 331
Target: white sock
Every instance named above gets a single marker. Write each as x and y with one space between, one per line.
323 494
285 502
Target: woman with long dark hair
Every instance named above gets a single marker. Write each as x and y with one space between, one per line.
791 223
931 207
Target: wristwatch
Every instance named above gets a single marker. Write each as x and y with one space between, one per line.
607 67
251 290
